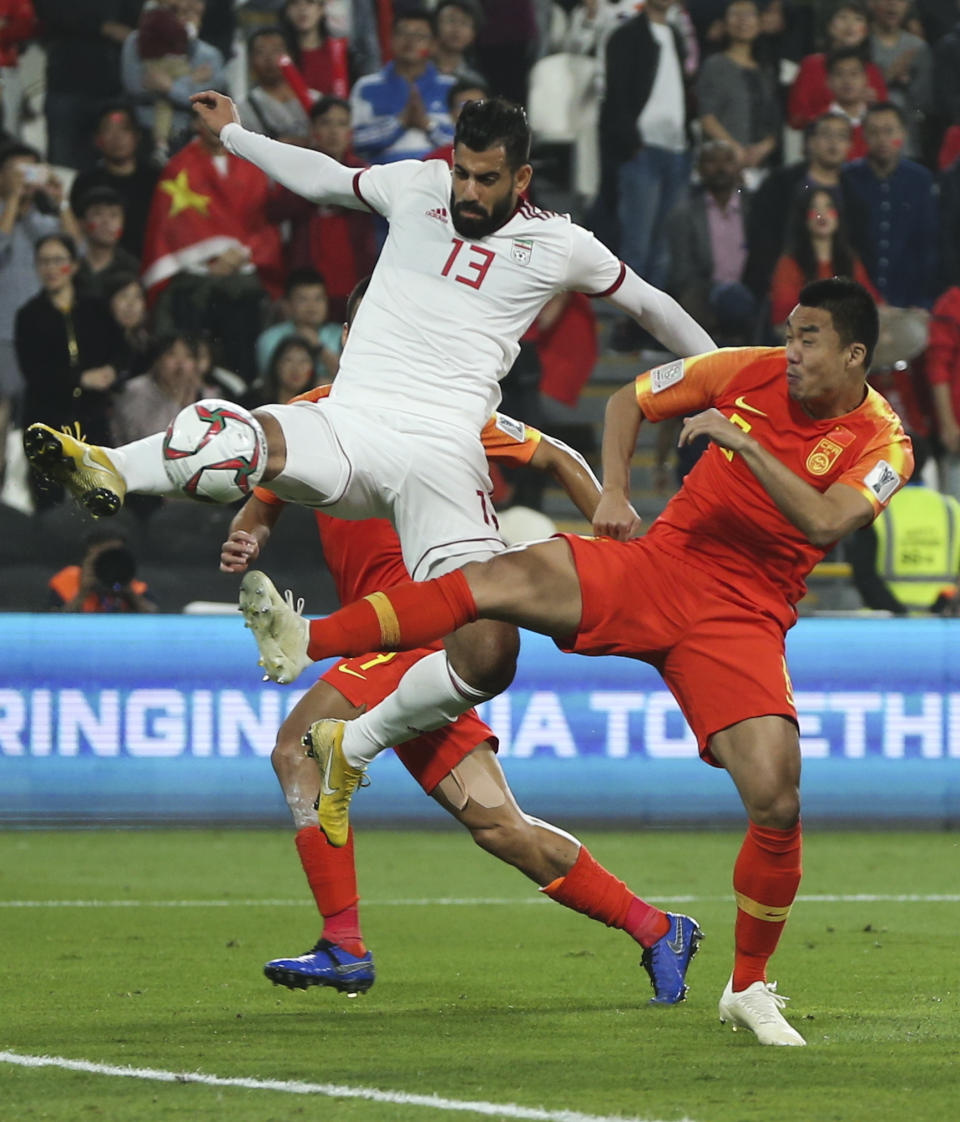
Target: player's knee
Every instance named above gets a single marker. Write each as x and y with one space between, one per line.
505 838
777 810
286 752
484 655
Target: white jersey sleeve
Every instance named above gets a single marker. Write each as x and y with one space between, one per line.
382 186
305 172
591 267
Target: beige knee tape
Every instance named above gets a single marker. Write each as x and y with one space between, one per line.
474 778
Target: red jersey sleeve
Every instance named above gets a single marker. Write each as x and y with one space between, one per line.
887 460
318 393
690 385
507 441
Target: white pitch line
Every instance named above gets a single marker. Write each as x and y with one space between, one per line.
479 901
329 1090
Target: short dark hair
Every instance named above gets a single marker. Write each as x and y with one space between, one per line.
461 85
357 293
822 119
263 33
471 7
421 14
114 282
167 341
852 311
64 239
485 124
298 278
114 107
14 149
842 54
99 196
324 104
885 107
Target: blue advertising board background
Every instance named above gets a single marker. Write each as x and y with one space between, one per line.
113 719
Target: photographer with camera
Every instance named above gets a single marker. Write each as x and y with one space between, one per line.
105 581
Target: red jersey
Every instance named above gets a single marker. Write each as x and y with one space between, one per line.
365 556
722 519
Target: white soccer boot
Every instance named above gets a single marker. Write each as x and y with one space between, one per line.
758 1009
281 632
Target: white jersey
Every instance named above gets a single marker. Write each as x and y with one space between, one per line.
441 321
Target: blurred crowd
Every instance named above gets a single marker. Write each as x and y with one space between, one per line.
728 150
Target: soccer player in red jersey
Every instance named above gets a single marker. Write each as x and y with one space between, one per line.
456 765
802 453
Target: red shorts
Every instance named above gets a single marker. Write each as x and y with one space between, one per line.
721 656
367 679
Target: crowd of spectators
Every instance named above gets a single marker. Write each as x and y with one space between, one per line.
742 149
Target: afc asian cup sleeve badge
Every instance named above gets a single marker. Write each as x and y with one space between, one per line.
823 457
521 250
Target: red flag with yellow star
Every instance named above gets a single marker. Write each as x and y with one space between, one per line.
203 206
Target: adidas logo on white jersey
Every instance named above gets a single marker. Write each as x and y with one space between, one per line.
439 212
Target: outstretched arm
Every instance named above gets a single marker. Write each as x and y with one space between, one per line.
822 517
570 470
614 516
305 172
662 316
249 533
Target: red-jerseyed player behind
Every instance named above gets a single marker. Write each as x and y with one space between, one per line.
456 765
802 452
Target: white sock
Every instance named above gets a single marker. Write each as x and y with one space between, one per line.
429 696
141 465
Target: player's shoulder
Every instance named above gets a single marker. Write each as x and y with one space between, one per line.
756 364
878 415
537 221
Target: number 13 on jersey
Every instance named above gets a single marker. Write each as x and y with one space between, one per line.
478 259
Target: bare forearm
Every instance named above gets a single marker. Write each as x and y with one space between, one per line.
621 423
572 472
257 519
814 514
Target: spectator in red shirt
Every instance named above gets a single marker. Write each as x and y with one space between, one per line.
817 248
810 95
943 372
320 57
339 243
18 22
850 86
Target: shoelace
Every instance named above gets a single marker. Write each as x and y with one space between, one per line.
294 607
760 1003
75 430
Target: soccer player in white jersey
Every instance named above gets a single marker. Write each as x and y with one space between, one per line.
466 268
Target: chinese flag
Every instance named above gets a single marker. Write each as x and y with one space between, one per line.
204 205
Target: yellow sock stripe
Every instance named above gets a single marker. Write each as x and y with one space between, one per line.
762 911
386 617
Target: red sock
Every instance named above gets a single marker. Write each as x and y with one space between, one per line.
765 881
407 616
332 876
589 888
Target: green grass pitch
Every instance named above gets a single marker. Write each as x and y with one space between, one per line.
144 950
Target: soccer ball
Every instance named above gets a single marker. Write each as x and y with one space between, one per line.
215 451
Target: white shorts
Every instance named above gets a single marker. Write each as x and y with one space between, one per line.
431 481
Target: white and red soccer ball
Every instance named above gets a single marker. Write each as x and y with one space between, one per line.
215 451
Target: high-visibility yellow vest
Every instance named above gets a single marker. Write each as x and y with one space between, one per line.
918 545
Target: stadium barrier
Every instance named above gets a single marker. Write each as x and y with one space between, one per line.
132 719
